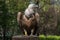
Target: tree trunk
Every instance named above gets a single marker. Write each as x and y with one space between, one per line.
25 38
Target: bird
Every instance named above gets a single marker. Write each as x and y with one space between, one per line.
29 20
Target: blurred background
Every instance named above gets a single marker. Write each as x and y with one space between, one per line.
49 11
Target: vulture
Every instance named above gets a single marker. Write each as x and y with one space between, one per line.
29 21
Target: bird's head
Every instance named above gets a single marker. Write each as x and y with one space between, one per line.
32 6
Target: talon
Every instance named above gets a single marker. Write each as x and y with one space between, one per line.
25 32
32 31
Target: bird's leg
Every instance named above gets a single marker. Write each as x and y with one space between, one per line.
32 31
25 32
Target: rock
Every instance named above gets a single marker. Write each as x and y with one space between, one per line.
22 37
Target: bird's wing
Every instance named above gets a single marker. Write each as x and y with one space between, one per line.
37 18
19 15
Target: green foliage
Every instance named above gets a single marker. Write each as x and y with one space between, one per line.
14 6
49 37
8 16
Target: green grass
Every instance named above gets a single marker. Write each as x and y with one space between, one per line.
49 37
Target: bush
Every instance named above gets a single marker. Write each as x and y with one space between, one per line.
50 37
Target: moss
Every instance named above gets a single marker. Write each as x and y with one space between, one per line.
49 37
